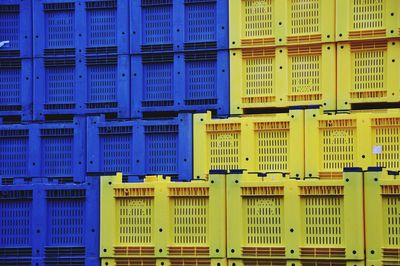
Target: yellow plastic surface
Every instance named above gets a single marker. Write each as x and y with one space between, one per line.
265 262
283 77
368 72
382 217
163 262
259 23
279 218
382 263
366 19
263 143
160 218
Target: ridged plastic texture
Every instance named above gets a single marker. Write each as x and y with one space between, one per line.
365 20
279 218
177 25
162 219
93 84
141 147
42 219
162 262
194 81
263 23
80 27
361 139
382 204
261 143
283 77
54 150
368 72
271 262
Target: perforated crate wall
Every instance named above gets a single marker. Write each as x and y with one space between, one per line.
159 218
177 25
141 147
262 143
368 72
167 262
192 81
272 22
278 262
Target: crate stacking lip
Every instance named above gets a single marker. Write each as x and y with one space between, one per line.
52 150
260 143
276 262
282 218
42 218
346 140
160 262
159 218
283 77
272 22
80 25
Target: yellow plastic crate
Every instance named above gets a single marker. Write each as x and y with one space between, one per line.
366 19
382 263
160 218
277 218
368 72
258 23
262 143
283 77
258 262
162 262
382 216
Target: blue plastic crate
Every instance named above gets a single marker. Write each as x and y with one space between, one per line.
93 84
80 26
177 25
53 150
191 81
16 28
56 222
141 147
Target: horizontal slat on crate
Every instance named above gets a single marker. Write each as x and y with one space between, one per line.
163 262
269 23
266 262
276 217
141 147
192 81
282 77
368 72
170 219
262 143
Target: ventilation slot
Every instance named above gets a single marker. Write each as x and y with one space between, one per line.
66 194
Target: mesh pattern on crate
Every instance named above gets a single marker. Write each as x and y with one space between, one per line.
135 216
57 155
10 85
157 24
161 152
9 27
15 222
158 81
60 84
391 220
369 70
257 18
102 27
259 76
14 156
201 80
200 22
60 28
305 74
367 14
116 153
386 134
102 85
305 17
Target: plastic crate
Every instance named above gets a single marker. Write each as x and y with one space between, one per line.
53 150
177 25
368 72
45 219
358 20
93 84
382 204
141 147
80 27
265 262
262 143
345 140
263 23
381 263
162 219
13 28
162 262
283 77
191 81
16 87
279 218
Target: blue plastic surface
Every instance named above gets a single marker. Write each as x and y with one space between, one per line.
93 84
141 147
54 150
56 222
80 26
177 25
191 81
16 27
